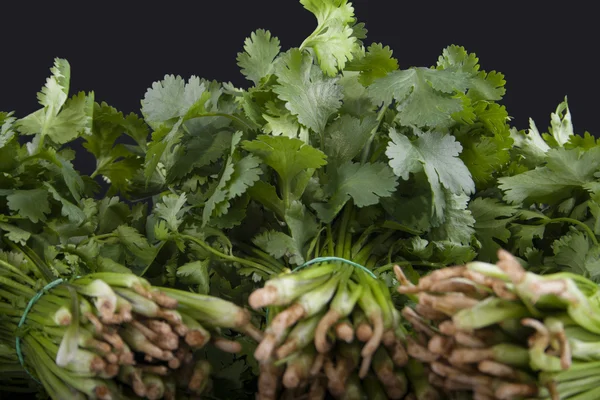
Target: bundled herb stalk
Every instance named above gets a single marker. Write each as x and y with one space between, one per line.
331 324
112 336
499 332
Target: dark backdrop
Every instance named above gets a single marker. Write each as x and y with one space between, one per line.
118 50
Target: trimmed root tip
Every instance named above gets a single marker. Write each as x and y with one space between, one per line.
126 358
515 390
252 331
364 332
195 339
97 364
175 363
163 300
139 388
291 378
321 342
401 277
265 348
286 349
103 393
111 370
228 346
344 331
262 297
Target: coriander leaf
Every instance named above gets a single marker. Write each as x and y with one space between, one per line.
415 211
195 273
235 179
365 184
356 101
523 235
161 232
280 122
246 172
595 211
458 222
55 92
530 145
74 119
279 245
491 225
284 124
303 224
113 160
346 137
72 178
485 156
235 215
585 141
172 98
573 253
482 85
219 194
332 41
143 253
260 52
307 93
288 157
266 194
424 97
166 106
564 172
69 210
451 253
6 128
171 209
376 63
15 234
437 155
108 265
32 203
199 151
561 124
486 143
111 213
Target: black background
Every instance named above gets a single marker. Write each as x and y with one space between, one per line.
118 50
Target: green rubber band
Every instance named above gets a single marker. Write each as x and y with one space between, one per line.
24 317
325 259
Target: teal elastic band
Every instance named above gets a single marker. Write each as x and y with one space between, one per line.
339 259
325 259
24 317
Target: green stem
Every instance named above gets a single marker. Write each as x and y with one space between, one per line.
343 228
17 286
35 260
98 237
309 38
270 260
367 149
390 266
572 221
227 257
285 192
330 245
17 272
231 117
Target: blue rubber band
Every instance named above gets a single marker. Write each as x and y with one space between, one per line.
329 258
24 317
